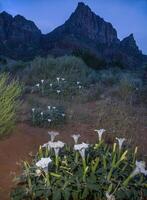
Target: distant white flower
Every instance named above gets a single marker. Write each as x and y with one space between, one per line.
37 85
58 79
33 110
140 168
80 86
53 134
100 133
63 79
49 120
110 196
54 107
58 91
75 137
49 107
63 114
78 82
81 148
38 172
51 84
41 113
120 142
43 163
56 146
42 81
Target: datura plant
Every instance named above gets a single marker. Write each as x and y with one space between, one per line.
85 171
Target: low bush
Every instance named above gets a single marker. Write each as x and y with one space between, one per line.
50 67
10 91
49 117
87 172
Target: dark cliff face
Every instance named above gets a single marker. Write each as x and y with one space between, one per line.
84 30
18 36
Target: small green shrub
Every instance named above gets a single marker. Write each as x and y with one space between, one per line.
50 117
85 172
10 91
50 67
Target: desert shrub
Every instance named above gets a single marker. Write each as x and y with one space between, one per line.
88 172
48 117
90 59
128 86
10 91
50 67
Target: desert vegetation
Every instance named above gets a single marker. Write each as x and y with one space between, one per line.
10 91
63 92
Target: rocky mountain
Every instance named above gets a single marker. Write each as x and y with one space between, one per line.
84 31
19 38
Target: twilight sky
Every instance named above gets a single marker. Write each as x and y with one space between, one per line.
127 16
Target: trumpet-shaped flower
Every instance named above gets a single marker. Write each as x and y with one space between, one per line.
100 133
58 91
42 81
37 85
75 137
43 163
49 107
63 79
54 107
51 84
53 134
140 168
58 79
49 120
56 146
63 114
41 113
33 110
81 148
120 142
80 86
78 82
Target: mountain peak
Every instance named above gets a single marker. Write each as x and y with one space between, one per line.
82 6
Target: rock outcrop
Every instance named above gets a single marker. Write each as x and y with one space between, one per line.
84 30
18 37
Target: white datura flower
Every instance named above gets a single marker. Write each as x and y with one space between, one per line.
75 137
51 84
56 146
63 114
58 91
80 86
110 196
49 120
120 142
33 110
41 113
43 163
139 169
78 82
81 148
58 79
63 79
42 81
49 107
54 107
53 134
37 85
100 133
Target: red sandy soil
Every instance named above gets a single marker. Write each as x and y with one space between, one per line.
16 148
